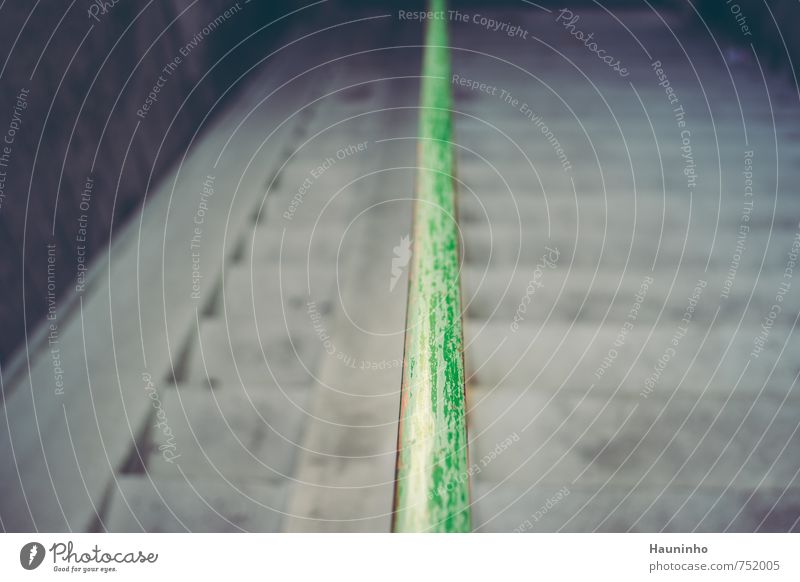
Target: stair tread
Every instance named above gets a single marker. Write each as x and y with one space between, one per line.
195 505
504 507
592 439
547 356
236 352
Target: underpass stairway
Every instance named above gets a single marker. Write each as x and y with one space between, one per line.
285 395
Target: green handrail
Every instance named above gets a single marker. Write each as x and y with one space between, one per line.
432 480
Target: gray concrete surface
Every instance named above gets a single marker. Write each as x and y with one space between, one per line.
625 396
644 418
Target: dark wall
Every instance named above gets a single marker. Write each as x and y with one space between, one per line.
81 90
763 18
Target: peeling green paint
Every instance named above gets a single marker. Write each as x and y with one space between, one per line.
432 486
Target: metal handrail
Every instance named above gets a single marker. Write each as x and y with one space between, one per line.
432 479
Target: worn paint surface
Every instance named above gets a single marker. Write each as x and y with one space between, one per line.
432 490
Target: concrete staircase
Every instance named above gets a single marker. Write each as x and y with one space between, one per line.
611 310
625 398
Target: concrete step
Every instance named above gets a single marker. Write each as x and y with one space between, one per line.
585 111
609 191
590 438
486 123
238 352
485 193
646 360
307 209
232 433
612 296
275 296
643 246
601 121
506 507
293 246
139 504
